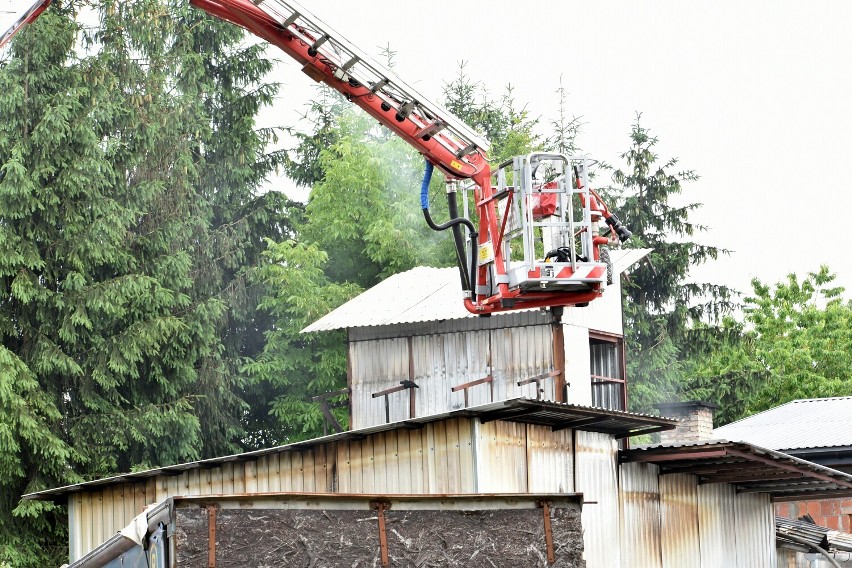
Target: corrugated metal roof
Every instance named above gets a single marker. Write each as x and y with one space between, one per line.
813 535
751 468
424 294
800 424
555 414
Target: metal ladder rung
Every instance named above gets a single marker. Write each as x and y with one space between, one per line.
349 64
430 129
377 86
469 149
290 19
322 39
382 78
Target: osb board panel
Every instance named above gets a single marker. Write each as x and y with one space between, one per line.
422 539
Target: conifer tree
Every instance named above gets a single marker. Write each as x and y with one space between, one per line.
662 306
128 221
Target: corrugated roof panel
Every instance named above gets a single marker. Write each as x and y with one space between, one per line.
751 468
423 294
800 424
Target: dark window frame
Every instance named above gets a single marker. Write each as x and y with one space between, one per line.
618 342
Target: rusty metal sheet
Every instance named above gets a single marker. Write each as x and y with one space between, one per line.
550 457
639 496
716 524
679 521
596 479
755 522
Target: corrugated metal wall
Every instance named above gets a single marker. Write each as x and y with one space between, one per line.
596 458
378 365
501 457
443 361
670 521
639 496
679 521
518 354
550 459
445 457
755 519
717 529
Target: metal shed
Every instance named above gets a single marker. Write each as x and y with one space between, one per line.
412 327
515 446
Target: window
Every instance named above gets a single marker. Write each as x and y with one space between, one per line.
609 389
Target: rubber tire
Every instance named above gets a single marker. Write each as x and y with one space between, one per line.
604 252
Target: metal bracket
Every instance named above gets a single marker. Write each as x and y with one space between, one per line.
537 380
464 387
325 408
380 507
405 384
548 530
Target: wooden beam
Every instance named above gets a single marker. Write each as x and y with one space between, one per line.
558 336
785 488
507 414
815 494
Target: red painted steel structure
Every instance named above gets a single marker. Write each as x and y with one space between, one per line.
457 157
447 156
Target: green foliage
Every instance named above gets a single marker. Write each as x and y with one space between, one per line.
794 345
510 130
365 212
362 223
725 373
128 218
297 366
303 164
803 332
564 128
662 306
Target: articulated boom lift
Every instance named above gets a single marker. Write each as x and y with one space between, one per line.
537 243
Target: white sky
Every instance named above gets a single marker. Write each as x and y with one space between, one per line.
755 96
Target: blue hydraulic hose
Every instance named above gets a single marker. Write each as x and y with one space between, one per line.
424 187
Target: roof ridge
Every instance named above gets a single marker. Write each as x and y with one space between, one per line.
819 399
751 416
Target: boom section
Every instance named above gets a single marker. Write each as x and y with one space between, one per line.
325 55
15 14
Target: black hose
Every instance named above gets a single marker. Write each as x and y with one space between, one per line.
469 278
453 206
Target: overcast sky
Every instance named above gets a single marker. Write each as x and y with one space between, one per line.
755 96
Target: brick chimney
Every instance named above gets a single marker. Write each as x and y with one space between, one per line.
696 421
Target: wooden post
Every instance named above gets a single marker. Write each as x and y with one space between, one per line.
548 532
211 536
558 334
